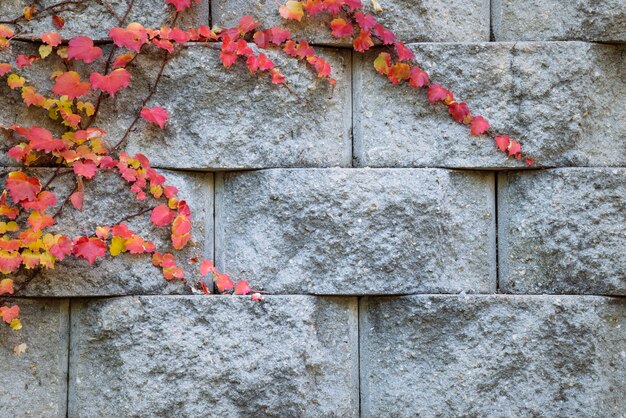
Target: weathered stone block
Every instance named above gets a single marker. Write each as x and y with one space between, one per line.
432 21
492 356
358 231
221 118
95 18
34 383
563 231
584 20
565 101
108 200
214 356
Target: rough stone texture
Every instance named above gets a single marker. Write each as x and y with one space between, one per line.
585 20
214 356
34 383
227 118
351 231
107 201
562 231
493 356
221 118
94 19
566 101
423 21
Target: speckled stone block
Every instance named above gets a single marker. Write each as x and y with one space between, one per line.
108 200
507 356
561 20
214 356
411 21
94 18
34 383
358 231
563 231
565 101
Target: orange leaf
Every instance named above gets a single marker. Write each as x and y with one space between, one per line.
6 286
292 10
51 38
69 84
21 187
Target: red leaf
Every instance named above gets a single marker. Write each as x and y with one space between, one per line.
58 22
6 286
478 126
78 200
514 148
21 187
418 78
69 84
82 48
162 215
89 248
51 38
25 61
460 112
385 35
87 169
43 201
246 24
207 267
224 283
341 28
502 142
181 5
39 221
363 42
404 53
156 115
365 22
122 61
242 288
436 93
8 314
133 37
41 140
257 297
112 82
4 68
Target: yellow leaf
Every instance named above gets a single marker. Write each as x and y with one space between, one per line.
15 324
376 6
15 81
62 52
29 11
117 246
45 50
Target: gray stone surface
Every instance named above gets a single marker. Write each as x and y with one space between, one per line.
214 356
493 356
565 101
94 19
107 201
563 231
220 118
34 383
227 118
358 231
585 20
424 21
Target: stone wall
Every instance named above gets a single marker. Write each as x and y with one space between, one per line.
412 269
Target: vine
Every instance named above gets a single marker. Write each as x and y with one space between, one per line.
27 237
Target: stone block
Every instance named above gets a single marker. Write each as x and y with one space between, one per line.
108 200
95 18
432 21
214 356
492 356
358 231
565 101
559 20
34 383
562 231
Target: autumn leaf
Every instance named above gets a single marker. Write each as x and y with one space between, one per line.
51 38
44 200
41 139
363 42
460 112
58 21
156 115
242 288
341 28
403 52
478 126
133 37
9 261
86 168
436 93
82 48
223 283
89 248
181 5
291 10
122 61
4 69
257 297
162 215
6 286
9 313
112 82
15 81
418 78
69 84
20 349
40 221
502 142
365 22
207 267
22 187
